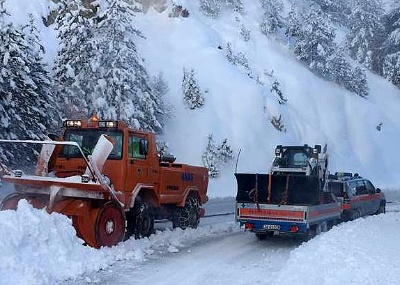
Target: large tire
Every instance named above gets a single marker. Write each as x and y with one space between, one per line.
187 216
382 208
110 225
140 220
355 214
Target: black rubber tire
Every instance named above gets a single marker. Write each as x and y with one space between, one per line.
382 208
140 220
187 216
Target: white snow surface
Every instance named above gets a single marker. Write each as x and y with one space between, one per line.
239 108
41 248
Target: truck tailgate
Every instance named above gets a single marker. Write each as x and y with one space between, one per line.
269 217
284 218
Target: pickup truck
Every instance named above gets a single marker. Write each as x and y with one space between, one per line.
292 199
358 195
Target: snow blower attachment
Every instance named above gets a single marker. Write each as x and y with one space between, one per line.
109 179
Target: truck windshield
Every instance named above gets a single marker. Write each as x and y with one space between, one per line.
87 140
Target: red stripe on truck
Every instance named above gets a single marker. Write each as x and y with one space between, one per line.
275 214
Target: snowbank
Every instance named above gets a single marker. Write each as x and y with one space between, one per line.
358 252
38 248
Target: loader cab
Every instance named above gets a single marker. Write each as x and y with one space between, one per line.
295 159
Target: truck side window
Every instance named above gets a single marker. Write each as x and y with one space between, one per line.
137 147
361 189
370 187
352 188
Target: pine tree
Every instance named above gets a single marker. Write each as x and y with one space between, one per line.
225 152
338 10
160 89
236 5
272 18
315 41
366 32
210 158
353 79
192 94
216 156
211 8
118 84
391 47
293 25
74 29
359 85
28 110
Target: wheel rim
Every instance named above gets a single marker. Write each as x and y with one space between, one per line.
110 225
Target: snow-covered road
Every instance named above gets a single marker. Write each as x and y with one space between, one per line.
236 257
38 248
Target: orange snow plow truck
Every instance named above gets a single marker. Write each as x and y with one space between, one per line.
111 181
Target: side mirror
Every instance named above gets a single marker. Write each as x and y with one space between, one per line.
378 190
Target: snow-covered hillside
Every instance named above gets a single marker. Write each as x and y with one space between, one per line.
316 112
239 107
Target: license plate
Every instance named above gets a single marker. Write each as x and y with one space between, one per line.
272 227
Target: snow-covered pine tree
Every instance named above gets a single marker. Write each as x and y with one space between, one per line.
391 68
25 95
160 89
359 83
366 32
353 79
272 16
236 5
192 94
244 33
215 156
210 8
292 22
119 85
74 29
338 10
315 41
42 78
210 158
225 152
391 47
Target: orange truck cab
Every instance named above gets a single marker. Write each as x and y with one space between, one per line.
111 195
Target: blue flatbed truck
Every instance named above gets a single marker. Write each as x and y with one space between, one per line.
290 200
